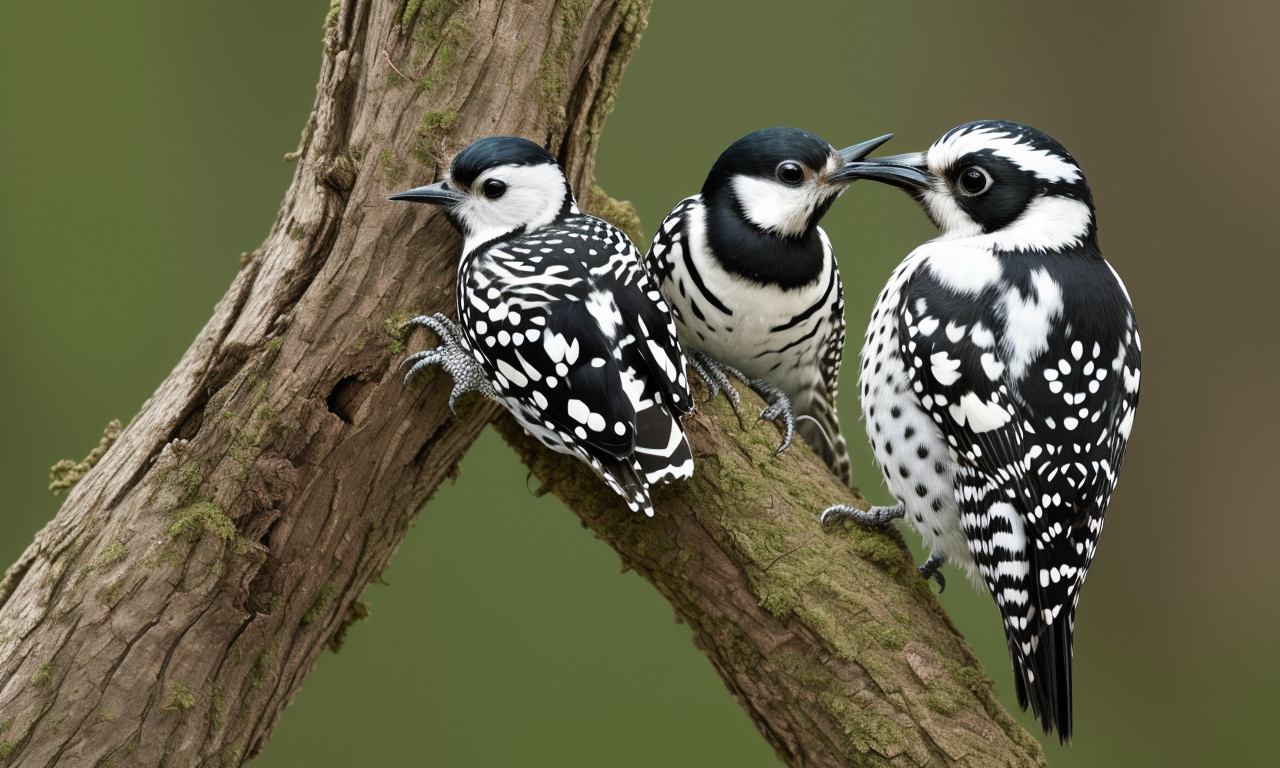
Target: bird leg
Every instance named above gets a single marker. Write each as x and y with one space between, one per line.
716 374
716 377
453 355
932 569
873 516
779 409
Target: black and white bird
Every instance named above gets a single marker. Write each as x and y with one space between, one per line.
753 282
999 379
558 320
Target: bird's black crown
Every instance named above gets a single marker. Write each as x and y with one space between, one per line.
758 154
495 151
1025 134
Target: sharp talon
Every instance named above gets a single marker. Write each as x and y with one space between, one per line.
779 409
932 569
775 413
415 357
440 325
713 389
428 358
873 516
830 513
716 377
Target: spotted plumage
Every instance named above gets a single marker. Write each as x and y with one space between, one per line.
1000 378
558 321
753 282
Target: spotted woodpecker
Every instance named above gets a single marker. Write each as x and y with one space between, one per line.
999 384
753 282
558 320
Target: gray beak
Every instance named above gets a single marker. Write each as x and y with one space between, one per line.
859 151
439 193
909 172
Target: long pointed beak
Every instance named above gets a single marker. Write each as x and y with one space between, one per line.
859 151
909 172
439 193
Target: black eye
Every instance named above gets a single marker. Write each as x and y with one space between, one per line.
974 181
494 189
790 173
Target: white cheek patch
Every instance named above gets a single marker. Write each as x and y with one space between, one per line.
1047 223
774 206
951 219
534 197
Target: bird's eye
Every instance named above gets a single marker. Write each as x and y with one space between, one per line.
974 181
494 189
790 173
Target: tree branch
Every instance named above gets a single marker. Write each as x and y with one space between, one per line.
832 642
172 608
174 605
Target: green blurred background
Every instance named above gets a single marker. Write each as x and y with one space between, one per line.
140 154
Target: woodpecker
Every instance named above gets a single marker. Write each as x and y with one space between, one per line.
558 320
999 380
753 282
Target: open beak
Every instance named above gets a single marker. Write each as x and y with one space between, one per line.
909 171
439 193
859 151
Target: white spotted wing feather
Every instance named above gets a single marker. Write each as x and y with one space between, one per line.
581 349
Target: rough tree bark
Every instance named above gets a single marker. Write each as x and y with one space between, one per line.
186 587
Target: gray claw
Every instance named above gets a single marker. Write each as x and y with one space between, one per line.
716 376
779 409
420 360
932 569
453 355
873 516
439 324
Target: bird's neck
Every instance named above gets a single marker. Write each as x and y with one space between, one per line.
744 249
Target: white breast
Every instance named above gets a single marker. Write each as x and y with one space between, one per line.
910 449
745 337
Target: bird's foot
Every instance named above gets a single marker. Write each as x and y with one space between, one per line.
716 375
779 409
442 326
453 356
932 569
873 516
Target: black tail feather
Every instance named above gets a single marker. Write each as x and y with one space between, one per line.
1043 679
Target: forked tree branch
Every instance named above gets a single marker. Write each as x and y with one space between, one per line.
170 611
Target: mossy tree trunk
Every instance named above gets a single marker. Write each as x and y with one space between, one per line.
171 610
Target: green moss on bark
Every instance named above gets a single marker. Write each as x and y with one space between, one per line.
620 213
182 698
883 668
66 473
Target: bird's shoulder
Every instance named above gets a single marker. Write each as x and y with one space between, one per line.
669 239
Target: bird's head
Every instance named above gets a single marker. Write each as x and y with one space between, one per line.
997 178
782 180
499 185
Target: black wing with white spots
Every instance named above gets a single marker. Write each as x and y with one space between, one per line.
580 347
1037 412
